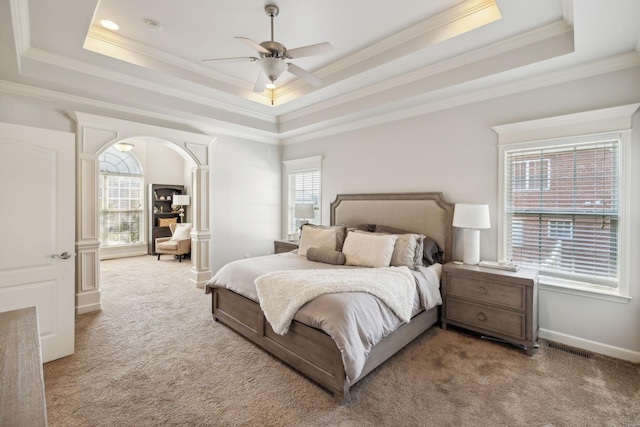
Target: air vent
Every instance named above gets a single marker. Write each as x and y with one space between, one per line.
571 350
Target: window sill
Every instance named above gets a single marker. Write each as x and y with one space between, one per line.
549 284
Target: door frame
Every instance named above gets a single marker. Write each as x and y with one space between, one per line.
93 134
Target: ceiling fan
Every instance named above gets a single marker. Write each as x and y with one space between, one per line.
273 57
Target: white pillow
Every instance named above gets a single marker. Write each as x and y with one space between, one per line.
311 237
368 250
182 232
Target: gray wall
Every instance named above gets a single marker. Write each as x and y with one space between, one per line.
455 151
245 199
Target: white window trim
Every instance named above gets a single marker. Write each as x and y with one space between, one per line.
562 129
298 165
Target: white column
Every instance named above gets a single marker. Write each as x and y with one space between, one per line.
201 230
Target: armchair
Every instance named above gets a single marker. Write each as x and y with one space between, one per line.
179 244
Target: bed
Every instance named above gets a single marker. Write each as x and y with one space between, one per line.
305 346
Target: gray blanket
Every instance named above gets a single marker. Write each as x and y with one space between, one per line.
355 320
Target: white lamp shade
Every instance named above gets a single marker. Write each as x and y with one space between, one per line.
272 67
471 216
181 199
303 211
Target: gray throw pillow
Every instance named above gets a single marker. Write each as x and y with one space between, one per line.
326 256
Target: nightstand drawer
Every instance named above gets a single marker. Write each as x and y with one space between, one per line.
491 320
506 295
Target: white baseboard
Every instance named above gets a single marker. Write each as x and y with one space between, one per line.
88 308
593 346
122 251
87 302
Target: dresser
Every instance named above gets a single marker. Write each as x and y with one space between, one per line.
23 400
496 303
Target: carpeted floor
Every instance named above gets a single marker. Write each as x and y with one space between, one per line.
153 356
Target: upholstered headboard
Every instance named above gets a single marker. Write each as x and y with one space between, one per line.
425 213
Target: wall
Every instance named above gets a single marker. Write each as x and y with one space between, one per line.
455 151
245 199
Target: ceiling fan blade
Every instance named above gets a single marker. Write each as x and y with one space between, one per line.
253 45
261 83
237 59
313 49
304 74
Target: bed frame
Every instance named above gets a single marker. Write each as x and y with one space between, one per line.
310 350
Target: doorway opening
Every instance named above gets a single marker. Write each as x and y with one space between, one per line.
95 134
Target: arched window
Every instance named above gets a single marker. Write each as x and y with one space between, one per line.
121 194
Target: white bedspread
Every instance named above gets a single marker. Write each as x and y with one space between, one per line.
282 293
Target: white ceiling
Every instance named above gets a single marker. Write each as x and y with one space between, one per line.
391 59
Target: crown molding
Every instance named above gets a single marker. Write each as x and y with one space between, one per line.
21 26
59 61
446 99
614 119
122 48
519 42
207 126
462 18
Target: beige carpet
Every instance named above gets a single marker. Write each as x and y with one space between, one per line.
153 356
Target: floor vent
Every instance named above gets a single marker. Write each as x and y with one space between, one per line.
571 350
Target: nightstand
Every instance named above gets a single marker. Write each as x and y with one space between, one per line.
497 303
280 246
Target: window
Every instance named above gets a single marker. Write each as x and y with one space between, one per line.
564 200
567 223
121 194
302 186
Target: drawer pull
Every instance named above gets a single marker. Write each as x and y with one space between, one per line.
481 316
482 289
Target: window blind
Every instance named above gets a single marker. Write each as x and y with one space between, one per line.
562 210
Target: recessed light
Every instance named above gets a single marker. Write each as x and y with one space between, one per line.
109 25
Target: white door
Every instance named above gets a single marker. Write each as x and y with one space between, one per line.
37 231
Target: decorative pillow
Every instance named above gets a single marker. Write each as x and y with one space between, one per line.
316 237
182 232
368 249
405 251
341 233
431 252
361 227
326 256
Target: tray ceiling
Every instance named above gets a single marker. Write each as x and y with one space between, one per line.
390 59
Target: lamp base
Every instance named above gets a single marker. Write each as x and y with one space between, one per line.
471 246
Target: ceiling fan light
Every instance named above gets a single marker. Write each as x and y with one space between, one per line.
272 67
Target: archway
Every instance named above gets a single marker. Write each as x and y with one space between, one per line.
93 133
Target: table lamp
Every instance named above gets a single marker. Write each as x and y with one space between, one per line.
181 200
471 218
304 212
